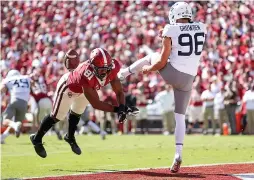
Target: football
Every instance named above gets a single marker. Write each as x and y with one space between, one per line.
71 59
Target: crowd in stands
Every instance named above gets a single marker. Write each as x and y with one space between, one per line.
36 34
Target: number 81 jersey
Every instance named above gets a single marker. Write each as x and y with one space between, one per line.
187 44
83 77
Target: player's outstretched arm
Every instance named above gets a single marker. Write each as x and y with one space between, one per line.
93 98
118 89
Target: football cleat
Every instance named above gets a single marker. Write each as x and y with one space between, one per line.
176 164
38 147
74 146
18 130
103 135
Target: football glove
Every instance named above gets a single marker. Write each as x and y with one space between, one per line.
131 110
121 113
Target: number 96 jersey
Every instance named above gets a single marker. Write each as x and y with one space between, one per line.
187 44
83 77
18 86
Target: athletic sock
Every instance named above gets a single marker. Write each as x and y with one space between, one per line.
94 126
137 66
46 124
73 120
13 125
6 133
179 132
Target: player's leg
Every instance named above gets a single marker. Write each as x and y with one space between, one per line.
206 123
45 107
59 111
21 110
200 116
9 112
182 84
133 124
181 103
15 110
77 108
97 129
112 119
137 66
102 119
165 123
171 122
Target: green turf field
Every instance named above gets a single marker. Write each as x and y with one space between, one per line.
118 152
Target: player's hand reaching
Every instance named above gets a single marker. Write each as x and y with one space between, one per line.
121 113
131 110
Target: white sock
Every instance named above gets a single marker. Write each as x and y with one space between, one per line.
179 132
13 125
94 126
5 134
137 66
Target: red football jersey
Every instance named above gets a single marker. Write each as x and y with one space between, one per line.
83 77
38 88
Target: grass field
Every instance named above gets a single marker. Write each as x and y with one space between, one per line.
117 153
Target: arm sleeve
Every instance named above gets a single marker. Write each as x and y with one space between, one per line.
168 31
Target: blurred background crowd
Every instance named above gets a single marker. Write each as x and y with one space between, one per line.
36 35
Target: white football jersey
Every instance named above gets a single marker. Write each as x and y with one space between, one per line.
18 87
187 44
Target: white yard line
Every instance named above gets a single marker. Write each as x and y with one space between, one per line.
136 169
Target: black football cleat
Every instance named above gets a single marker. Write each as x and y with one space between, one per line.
72 142
38 147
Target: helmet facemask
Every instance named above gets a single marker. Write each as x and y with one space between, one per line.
101 72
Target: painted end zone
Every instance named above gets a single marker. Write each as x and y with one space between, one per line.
211 172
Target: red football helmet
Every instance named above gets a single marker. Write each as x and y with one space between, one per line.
101 62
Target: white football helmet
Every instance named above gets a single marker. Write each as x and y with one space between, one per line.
12 73
179 10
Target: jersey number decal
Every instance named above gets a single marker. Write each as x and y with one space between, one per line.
21 83
88 74
189 43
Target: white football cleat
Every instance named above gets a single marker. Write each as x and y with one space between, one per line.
17 131
120 75
176 164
